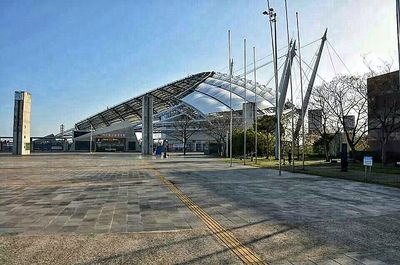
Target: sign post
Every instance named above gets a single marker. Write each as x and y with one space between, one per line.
367 162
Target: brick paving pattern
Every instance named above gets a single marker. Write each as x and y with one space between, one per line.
288 219
90 195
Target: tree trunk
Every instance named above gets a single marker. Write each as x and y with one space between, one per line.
326 147
383 152
351 144
184 148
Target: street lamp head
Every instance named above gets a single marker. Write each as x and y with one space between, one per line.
271 14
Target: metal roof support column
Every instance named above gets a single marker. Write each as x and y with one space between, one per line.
283 85
147 124
310 87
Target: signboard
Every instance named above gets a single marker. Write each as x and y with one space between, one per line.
367 161
56 147
80 133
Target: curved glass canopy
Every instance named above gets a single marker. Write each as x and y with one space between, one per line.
204 93
213 95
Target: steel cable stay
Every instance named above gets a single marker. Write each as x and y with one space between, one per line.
311 68
313 59
330 58
284 55
263 58
269 55
260 66
337 54
279 68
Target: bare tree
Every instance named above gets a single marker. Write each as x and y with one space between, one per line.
218 127
382 68
326 126
348 97
185 127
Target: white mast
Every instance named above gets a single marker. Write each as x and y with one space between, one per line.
291 86
230 62
301 91
245 101
255 101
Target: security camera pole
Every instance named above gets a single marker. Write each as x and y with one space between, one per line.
272 23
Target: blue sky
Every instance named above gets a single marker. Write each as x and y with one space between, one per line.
78 57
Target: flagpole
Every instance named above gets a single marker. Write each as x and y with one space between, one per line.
244 105
230 61
301 88
255 100
291 86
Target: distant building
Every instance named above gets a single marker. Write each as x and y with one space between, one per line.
349 122
381 90
115 138
314 121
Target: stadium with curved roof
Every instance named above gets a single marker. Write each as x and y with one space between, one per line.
202 93
183 111
196 98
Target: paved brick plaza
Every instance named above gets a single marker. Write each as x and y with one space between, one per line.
85 194
104 200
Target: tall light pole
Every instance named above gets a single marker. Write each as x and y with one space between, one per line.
301 89
255 100
245 103
230 62
272 22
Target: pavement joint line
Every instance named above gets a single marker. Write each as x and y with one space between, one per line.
246 255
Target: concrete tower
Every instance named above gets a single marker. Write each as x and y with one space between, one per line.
147 125
250 106
22 123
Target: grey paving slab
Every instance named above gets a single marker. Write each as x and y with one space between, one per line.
288 219
294 217
85 194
